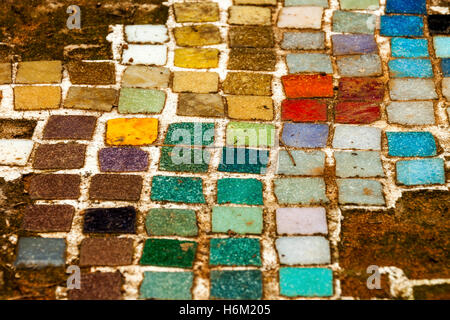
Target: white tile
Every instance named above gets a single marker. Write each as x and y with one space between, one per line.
303 250
446 88
145 54
353 137
412 89
15 152
146 33
411 113
302 220
301 17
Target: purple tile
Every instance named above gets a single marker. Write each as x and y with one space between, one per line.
123 159
355 43
305 135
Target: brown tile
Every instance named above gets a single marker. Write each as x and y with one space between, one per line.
115 187
106 252
146 77
200 105
252 59
5 73
39 72
55 186
98 286
59 156
48 218
96 99
70 127
37 98
251 37
245 83
99 73
17 129
432 292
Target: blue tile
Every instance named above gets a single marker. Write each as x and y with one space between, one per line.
41 252
445 66
409 48
406 6
401 26
305 135
243 160
411 144
420 172
243 284
306 282
411 68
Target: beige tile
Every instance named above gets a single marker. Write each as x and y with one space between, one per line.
196 82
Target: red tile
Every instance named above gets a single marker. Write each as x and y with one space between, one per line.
361 89
308 86
357 112
304 110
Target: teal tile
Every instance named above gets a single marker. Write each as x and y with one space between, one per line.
235 252
240 191
184 159
171 222
166 285
305 163
242 285
353 22
241 220
409 48
410 68
300 190
309 62
420 172
362 164
141 100
360 192
411 144
40 252
177 189
190 134
306 282
243 160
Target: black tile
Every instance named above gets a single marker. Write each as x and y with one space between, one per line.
439 24
110 220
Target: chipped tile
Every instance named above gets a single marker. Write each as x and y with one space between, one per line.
168 253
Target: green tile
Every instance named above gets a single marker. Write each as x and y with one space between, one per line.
240 191
353 22
243 284
250 134
166 285
300 190
177 189
306 163
360 4
168 253
141 100
244 160
235 252
190 134
184 159
241 220
171 222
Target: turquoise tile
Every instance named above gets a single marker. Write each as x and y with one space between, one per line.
40 252
306 282
401 26
300 190
241 220
360 192
240 191
243 284
409 48
362 164
243 160
309 62
410 68
190 134
177 189
167 285
420 172
442 47
305 163
411 144
235 252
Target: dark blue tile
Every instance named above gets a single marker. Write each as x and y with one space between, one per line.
110 220
445 65
401 26
406 6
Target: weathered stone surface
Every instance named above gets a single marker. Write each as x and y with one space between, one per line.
303 40
98 286
300 17
357 112
110 220
200 105
5 73
97 99
17 128
361 89
138 100
106 252
48 218
123 159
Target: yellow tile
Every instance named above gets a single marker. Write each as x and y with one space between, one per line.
250 107
196 12
39 72
250 15
133 131
37 98
197 36
196 82
196 58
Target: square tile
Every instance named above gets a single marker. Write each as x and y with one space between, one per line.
439 23
250 37
357 112
15 152
420 172
190 134
353 44
244 160
115 187
309 63
304 191
123 159
303 250
305 135
303 40
40 252
177 189
353 22
245 83
196 58
300 17
445 67
200 105
184 159
70 127
241 220
93 73
360 192
410 68
412 89
131 131
234 252
31 72
242 284
250 107
304 110
249 15
196 12
110 220
146 77
446 88
166 285
48 218
411 144
5 73
363 164
306 221
145 54
406 6
98 286
171 222
401 26
360 4
306 163
306 282
308 86
442 47
409 48
146 33
250 134
59 156
361 89
411 113
54 186
106 252
250 191
197 36
254 59
36 98
318 3
359 66
137 100
168 253
195 82
95 99
353 137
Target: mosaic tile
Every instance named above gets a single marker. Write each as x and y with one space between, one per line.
250 134
17 128
445 67
249 15
410 68
406 6
256 2
303 40
146 77
301 221
353 22
305 135
357 112
250 191
250 107
190 134
245 83
235 252
94 73
306 282
37 98
196 12
442 47
146 33
96 99
303 250
115 187
308 86
177 189
168 253
197 36
70 127
420 172
5 73
319 3
48 218
250 37
242 284
309 62
446 88
438 24
123 160
106 252
182 159
98 286
59 156
31 72
353 137
110 220
411 113
150 54
171 222
15 152
412 89
54 186
40 252
243 160
300 17
306 163
166 285
359 66
411 144
241 220
363 164
196 58
409 48
254 59
131 131
359 4
401 26
300 190
353 44
133 100
303 110
195 82
361 89
200 105
360 192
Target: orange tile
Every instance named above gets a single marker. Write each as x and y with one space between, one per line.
133 131
308 86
